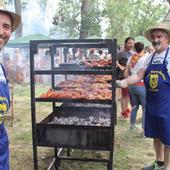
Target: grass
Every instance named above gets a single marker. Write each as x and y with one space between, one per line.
131 150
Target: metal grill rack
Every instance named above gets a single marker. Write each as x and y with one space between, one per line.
67 136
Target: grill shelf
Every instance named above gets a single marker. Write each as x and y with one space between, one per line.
74 100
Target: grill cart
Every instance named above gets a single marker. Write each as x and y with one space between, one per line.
82 97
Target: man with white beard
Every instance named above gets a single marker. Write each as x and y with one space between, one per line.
156 75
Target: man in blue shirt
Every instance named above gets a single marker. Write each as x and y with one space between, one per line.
9 21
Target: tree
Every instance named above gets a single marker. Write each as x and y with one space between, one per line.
85 15
116 16
132 17
77 18
43 5
149 15
18 32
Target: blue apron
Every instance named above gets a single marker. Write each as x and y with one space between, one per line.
4 106
157 119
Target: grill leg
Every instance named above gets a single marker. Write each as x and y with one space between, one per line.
57 160
109 166
56 167
35 157
68 152
110 163
35 154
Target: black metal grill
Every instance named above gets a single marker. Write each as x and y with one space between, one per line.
75 136
47 133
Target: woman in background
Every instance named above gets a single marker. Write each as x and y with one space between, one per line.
137 91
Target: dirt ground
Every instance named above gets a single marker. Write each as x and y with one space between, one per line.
132 151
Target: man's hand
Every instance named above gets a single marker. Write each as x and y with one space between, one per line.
121 83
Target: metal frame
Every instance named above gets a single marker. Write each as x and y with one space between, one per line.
52 44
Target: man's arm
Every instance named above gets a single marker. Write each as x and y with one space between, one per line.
132 79
126 71
120 66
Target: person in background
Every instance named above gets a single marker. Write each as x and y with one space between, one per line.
101 54
137 91
57 59
122 59
93 55
9 21
45 63
7 63
19 66
156 74
79 55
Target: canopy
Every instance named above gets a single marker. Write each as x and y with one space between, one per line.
25 40
143 40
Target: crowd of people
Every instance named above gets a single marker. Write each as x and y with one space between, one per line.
129 60
16 67
154 71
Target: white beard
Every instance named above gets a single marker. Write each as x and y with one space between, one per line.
157 47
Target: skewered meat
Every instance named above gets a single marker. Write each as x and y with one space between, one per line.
79 93
91 88
98 63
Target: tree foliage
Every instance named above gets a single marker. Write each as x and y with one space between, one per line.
119 18
148 15
70 20
19 7
132 17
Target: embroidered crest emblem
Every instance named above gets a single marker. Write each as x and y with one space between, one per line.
153 81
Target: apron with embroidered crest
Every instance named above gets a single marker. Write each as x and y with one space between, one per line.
4 106
157 115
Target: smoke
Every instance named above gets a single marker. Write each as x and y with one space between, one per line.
35 18
33 21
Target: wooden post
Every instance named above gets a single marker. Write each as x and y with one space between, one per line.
10 113
12 104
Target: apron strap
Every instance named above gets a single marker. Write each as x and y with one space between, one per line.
152 58
166 53
164 57
4 71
